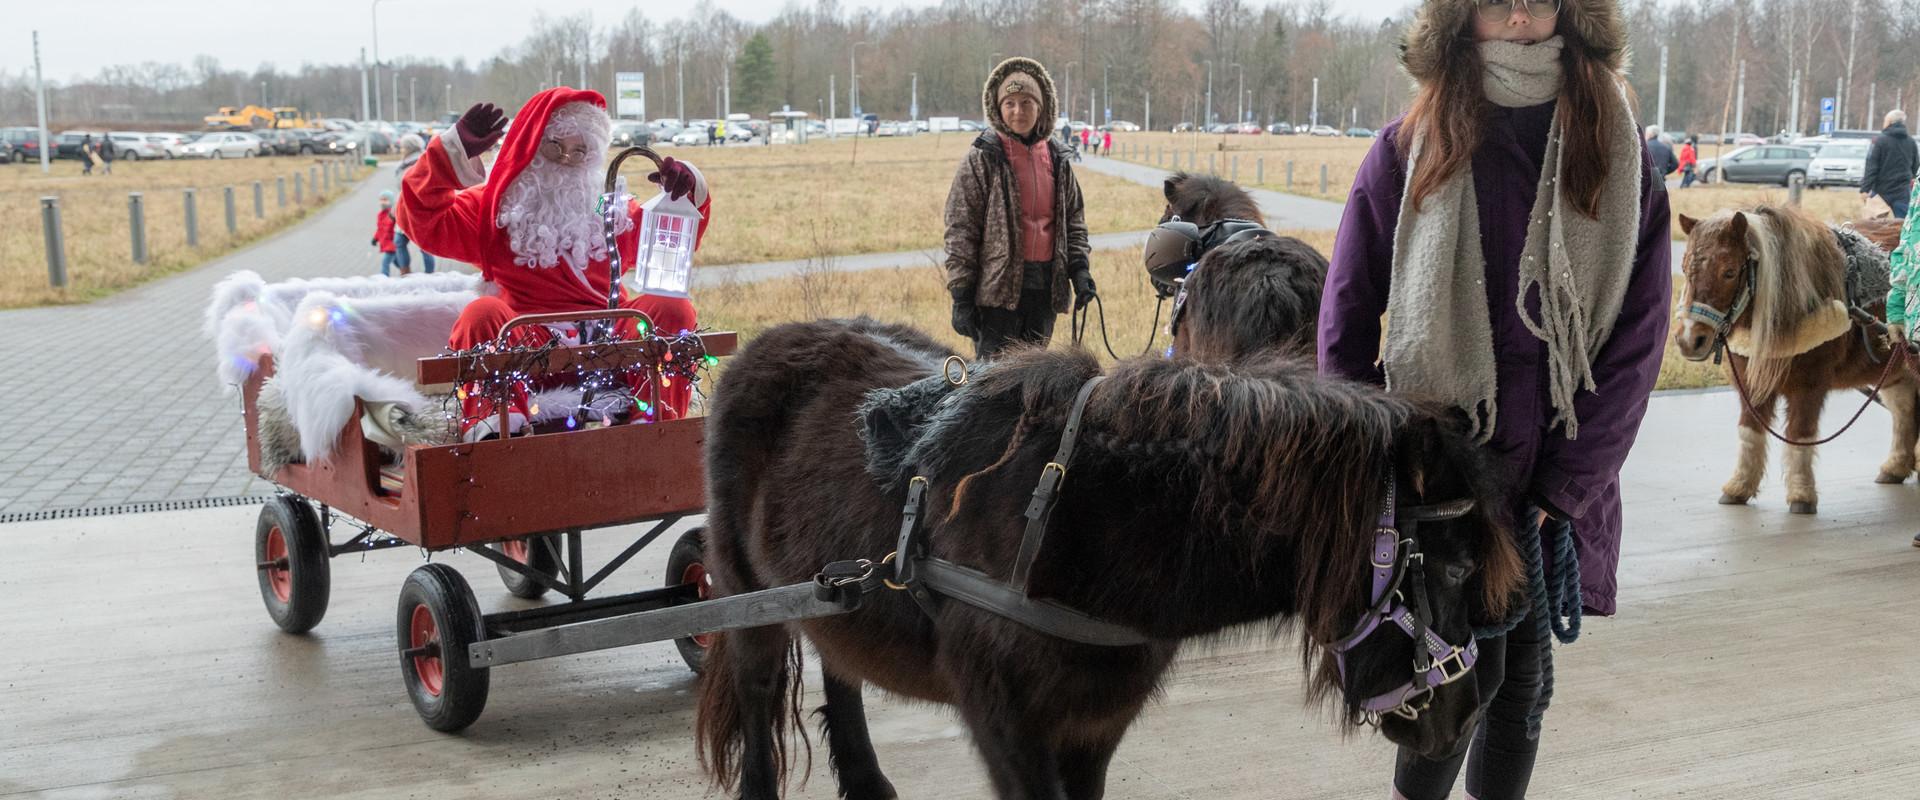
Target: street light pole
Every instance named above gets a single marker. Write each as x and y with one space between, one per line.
1067 92
1106 93
40 103
853 84
680 64
375 13
1241 93
1207 118
913 109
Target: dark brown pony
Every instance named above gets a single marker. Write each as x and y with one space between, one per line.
1201 498
1794 343
1244 297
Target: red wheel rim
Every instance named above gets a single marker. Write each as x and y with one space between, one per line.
425 667
696 574
518 550
279 577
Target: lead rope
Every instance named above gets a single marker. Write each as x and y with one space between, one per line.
1549 602
1077 322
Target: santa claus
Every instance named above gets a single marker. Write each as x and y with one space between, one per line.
530 226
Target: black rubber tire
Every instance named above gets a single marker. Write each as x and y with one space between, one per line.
689 550
539 556
308 570
445 595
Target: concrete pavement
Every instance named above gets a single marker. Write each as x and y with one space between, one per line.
1757 655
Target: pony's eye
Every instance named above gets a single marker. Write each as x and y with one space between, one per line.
1458 573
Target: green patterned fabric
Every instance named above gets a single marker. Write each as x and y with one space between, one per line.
1901 303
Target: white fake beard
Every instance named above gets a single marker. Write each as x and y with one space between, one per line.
548 215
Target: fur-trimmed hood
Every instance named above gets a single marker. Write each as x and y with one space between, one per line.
1049 100
1596 26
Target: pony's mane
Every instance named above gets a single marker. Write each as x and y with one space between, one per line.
1202 199
1797 269
1267 448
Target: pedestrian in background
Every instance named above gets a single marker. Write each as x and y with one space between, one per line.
1106 143
87 154
383 227
1891 164
1689 161
1664 160
1016 224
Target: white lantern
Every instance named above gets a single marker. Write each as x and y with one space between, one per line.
668 230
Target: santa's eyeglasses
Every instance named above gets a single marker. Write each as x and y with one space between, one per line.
554 150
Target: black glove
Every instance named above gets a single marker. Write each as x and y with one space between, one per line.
966 320
480 127
1083 291
374 242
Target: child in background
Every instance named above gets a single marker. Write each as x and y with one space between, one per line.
383 236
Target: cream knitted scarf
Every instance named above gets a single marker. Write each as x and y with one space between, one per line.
1439 340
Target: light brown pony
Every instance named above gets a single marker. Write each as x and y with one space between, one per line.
1792 341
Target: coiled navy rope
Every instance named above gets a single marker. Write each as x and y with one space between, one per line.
1554 605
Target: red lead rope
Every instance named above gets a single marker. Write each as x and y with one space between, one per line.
1895 357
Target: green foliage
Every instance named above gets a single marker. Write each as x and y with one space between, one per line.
753 76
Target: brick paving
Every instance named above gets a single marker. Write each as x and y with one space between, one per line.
115 401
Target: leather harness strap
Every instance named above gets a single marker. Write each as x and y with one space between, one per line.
1046 493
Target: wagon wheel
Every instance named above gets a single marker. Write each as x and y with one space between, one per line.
438 619
538 553
686 563
290 556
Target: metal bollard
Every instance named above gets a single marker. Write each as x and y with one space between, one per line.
1796 184
56 242
1289 175
137 223
1210 169
326 178
1159 156
259 202
1323 179
193 220
1235 168
313 182
1259 170
280 187
298 189
233 226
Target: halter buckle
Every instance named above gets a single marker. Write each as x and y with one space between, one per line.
1458 657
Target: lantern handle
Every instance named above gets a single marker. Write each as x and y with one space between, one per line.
613 168
571 316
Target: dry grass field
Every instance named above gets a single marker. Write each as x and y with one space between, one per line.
916 296
851 196
94 220
1260 160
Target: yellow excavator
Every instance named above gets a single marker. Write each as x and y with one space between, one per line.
249 118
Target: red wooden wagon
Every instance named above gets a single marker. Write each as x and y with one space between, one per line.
521 502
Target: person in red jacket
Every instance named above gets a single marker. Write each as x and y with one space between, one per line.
529 224
383 236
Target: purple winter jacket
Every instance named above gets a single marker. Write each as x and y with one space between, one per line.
1574 479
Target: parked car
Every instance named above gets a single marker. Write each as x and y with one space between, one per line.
1184 127
175 144
360 142
888 129
1839 163
1358 132
279 142
69 146
1124 126
972 125
1322 130
691 135
631 134
1855 134
1280 129
224 145
23 143
133 146
1758 164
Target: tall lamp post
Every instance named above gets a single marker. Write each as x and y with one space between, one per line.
375 13
1106 93
1241 93
853 84
1068 91
1207 118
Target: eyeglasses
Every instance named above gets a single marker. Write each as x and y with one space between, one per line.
553 150
1500 10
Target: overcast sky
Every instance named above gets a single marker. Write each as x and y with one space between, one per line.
76 41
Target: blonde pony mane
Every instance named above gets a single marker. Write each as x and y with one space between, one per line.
1798 272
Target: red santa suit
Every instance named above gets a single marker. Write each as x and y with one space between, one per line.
451 206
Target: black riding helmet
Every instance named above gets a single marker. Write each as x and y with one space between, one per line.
1175 247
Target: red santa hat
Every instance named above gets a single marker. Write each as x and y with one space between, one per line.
528 131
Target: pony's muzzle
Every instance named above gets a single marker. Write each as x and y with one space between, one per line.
1693 338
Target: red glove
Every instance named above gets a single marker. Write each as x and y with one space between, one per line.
480 128
674 178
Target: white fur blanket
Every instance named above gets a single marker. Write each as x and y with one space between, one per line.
334 340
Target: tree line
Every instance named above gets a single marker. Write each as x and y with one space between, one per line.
1145 60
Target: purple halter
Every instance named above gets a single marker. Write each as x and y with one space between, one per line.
1394 558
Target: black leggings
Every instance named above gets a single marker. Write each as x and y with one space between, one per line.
1031 322
1500 763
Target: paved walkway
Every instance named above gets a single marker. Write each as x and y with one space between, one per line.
115 402
1757 655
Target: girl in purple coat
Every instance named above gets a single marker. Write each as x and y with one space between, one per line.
1513 232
